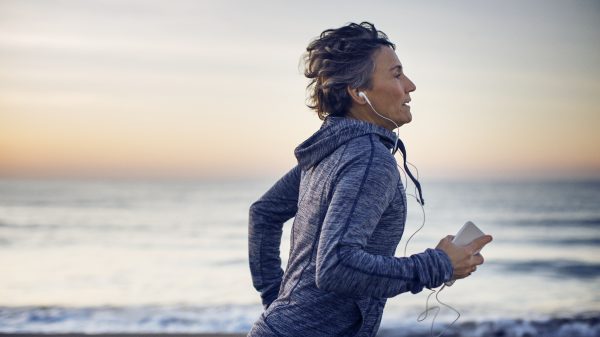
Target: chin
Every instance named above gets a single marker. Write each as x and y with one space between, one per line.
407 119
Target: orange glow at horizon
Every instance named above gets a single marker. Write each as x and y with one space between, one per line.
203 92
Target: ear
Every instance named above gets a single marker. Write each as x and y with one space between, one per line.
353 92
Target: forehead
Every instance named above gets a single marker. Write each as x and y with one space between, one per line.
386 59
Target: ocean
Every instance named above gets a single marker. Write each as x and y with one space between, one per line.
96 256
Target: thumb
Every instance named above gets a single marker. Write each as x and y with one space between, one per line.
478 243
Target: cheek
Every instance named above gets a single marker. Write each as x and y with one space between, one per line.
394 91
400 92
390 93
395 96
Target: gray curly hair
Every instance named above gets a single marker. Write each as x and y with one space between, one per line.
339 58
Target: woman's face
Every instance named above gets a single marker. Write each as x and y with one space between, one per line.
390 92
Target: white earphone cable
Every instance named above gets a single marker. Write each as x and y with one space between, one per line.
437 308
427 309
389 119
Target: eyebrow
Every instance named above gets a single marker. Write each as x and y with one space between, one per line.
399 67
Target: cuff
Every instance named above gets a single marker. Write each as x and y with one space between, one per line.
432 269
448 271
269 296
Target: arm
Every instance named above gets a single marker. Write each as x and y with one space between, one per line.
265 227
366 185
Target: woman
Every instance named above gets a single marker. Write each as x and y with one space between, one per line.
348 201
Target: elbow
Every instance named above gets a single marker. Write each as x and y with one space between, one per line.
254 208
332 281
325 274
255 212
324 281
329 278
332 274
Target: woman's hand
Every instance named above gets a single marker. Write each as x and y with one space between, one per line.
464 260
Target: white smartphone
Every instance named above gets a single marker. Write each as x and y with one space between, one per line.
466 235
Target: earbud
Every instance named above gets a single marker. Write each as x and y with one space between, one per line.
363 95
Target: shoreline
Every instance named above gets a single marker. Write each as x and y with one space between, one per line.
581 325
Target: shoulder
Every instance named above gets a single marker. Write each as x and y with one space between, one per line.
370 147
369 152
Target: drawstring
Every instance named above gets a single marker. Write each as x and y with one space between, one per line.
400 146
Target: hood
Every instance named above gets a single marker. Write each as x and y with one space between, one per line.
334 132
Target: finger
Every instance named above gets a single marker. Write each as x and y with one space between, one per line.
464 271
463 275
459 276
478 243
477 259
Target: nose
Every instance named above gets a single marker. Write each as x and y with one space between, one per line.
410 85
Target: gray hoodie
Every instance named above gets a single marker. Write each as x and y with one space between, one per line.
350 208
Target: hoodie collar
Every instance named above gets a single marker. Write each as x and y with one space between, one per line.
334 132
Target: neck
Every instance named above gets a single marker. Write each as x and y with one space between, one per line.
366 113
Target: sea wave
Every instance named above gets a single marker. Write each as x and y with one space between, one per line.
562 268
238 319
582 325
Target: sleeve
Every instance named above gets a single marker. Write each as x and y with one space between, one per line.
265 227
364 189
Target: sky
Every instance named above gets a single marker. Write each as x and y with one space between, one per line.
215 89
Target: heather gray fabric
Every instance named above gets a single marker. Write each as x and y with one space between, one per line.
350 207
